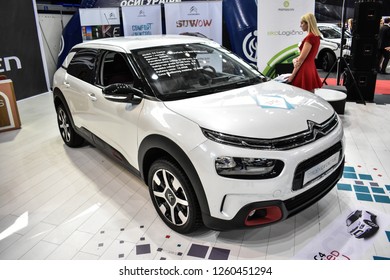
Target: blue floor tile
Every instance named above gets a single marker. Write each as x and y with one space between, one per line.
362 189
382 198
349 169
344 187
377 190
364 197
388 235
387 187
349 175
377 258
365 177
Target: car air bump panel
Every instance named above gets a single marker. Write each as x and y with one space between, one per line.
312 195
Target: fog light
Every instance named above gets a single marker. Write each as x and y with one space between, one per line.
263 216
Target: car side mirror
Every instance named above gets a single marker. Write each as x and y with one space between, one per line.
122 93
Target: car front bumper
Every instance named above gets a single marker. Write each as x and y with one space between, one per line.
232 201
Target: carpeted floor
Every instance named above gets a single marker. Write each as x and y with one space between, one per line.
381 87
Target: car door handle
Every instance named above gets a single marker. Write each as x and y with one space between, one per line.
92 96
66 84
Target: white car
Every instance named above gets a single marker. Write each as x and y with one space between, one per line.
216 142
330 45
362 224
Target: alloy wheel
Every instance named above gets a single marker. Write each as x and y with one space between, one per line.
64 125
170 197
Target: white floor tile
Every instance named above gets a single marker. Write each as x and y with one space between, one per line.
40 251
26 242
71 246
83 206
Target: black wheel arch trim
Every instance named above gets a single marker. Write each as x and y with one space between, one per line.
58 95
170 148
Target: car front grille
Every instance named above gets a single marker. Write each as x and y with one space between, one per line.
311 162
312 195
314 132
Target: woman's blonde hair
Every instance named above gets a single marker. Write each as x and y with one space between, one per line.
311 21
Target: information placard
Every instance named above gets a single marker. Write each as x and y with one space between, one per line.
9 115
99 23
203 19
141 20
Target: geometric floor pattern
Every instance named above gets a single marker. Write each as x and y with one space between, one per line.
63 204
364 187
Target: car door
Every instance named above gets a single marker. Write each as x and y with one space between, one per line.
79 83
113 122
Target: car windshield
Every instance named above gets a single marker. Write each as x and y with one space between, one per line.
188 70
332 32
353 218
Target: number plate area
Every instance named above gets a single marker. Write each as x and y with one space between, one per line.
321 169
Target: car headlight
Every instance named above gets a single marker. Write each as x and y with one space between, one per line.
248 168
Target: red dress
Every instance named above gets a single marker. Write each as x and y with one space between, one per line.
307 76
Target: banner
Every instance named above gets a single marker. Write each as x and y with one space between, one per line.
124 3
203 19
21 49
141 20
279 32
99 23
241 23
348 237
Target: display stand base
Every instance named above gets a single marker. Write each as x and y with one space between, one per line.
335 98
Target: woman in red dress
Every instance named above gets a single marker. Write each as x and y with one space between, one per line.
305 73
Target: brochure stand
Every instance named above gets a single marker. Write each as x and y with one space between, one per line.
9 115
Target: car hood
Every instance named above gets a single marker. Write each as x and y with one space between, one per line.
267 110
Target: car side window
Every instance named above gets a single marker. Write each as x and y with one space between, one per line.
82 65
115 69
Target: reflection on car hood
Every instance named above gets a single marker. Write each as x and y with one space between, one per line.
267 110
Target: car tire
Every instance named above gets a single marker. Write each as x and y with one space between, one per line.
68 134
173 196
327 60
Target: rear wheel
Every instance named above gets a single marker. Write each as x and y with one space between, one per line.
173 196
327 60
68 134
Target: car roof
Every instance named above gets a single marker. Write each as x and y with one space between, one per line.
326 24
139 42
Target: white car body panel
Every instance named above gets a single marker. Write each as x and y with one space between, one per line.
266 110
238 111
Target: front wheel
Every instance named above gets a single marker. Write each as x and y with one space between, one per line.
173 196
68 134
